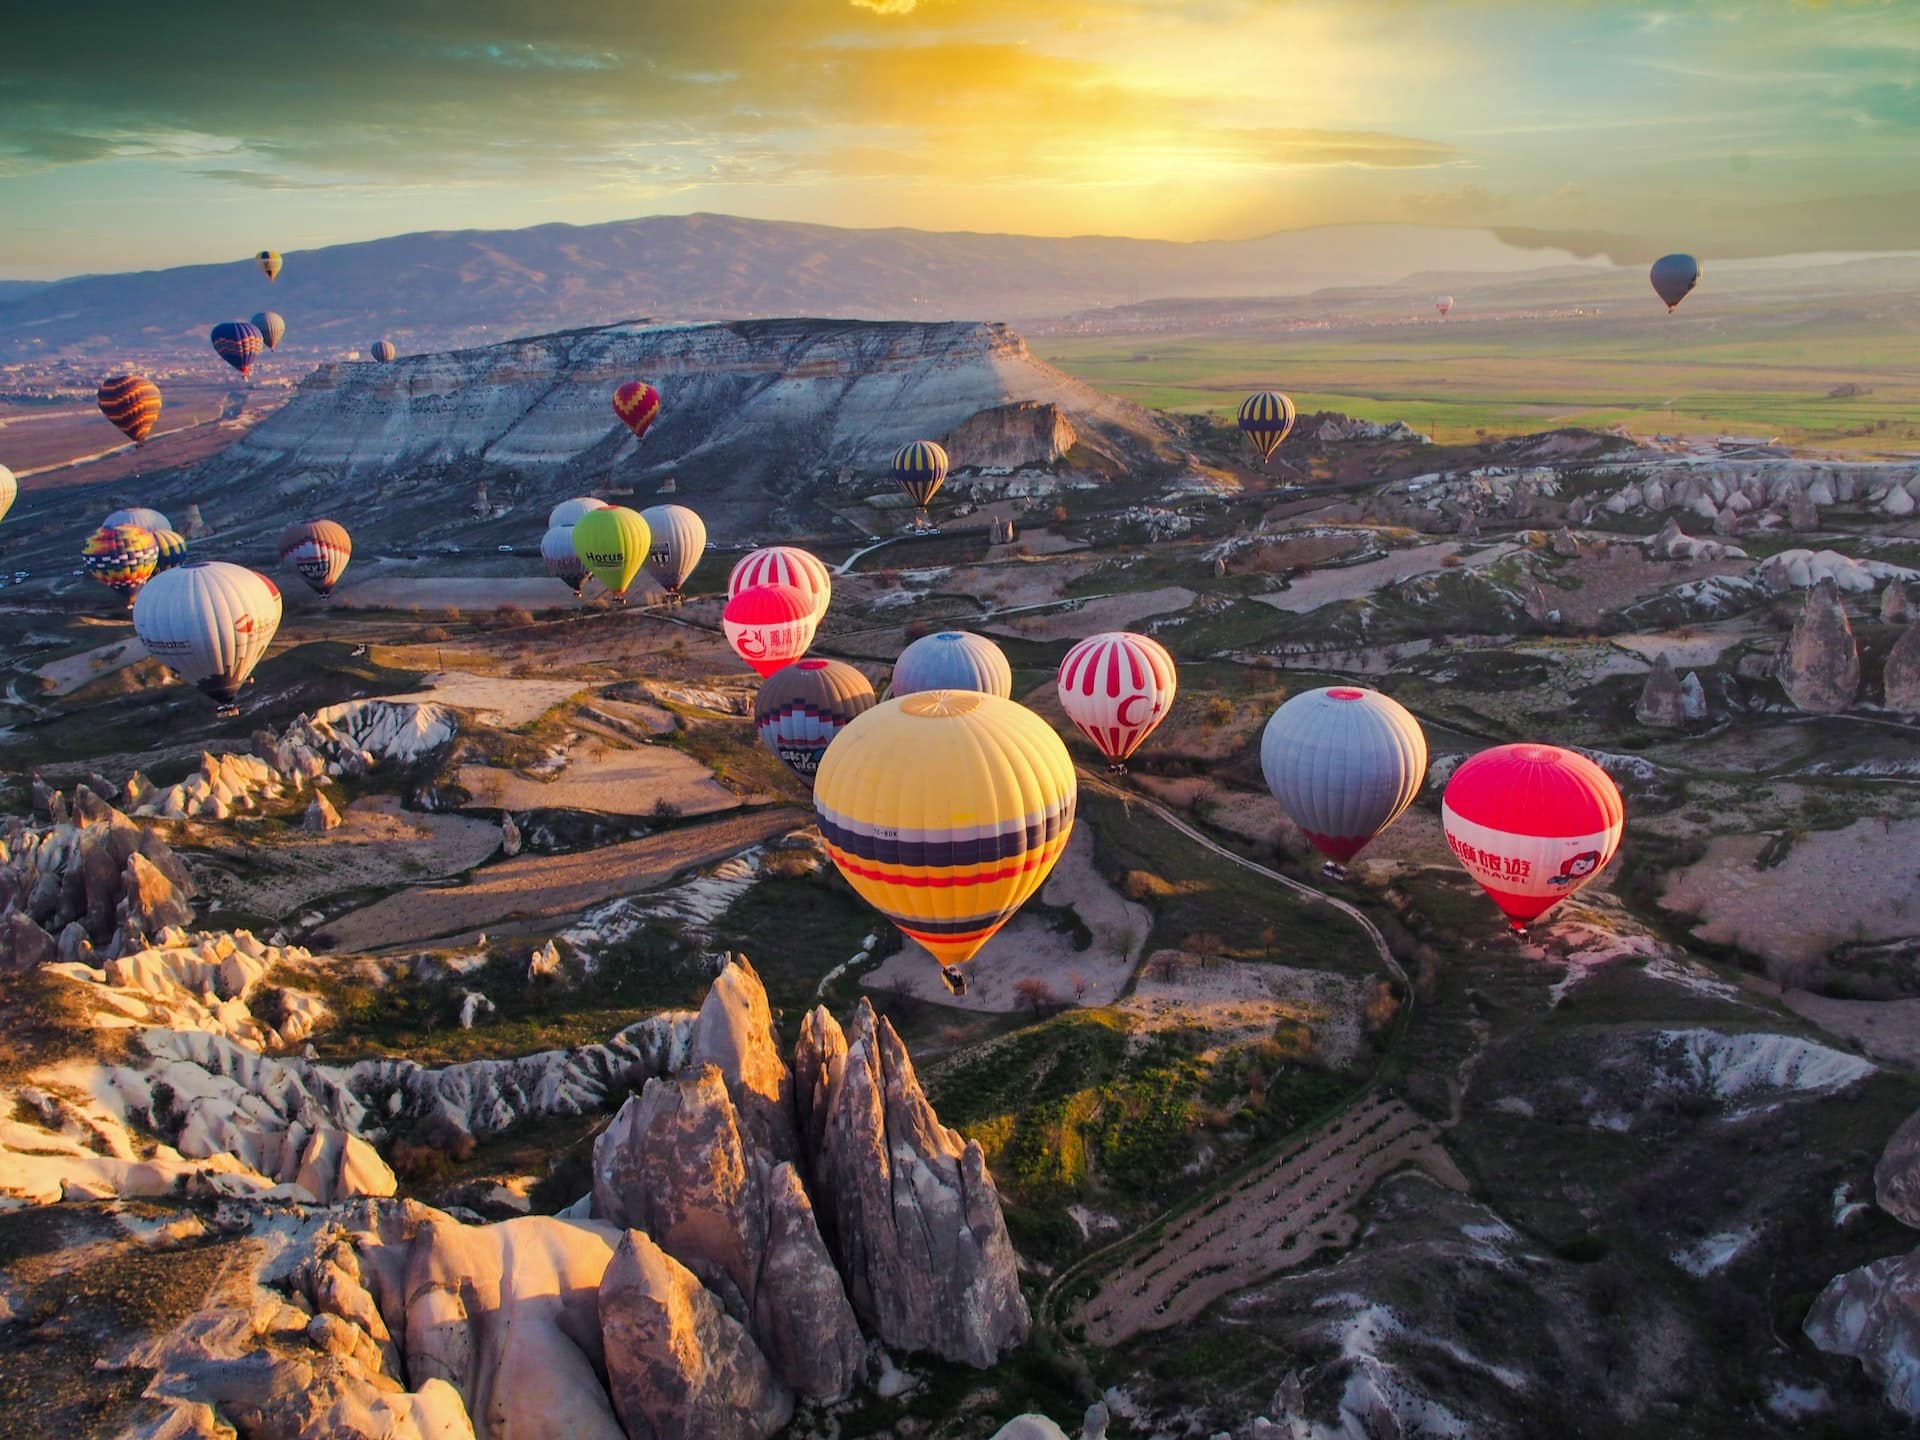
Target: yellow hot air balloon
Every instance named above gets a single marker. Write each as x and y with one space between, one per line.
612 543
946 810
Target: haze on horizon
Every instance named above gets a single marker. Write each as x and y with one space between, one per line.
134 138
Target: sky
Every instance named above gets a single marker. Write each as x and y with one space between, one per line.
134 137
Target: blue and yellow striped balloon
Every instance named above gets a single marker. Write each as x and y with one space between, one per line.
1266 419
946 810
171 548
920 469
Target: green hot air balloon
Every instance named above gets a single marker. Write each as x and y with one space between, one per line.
613 544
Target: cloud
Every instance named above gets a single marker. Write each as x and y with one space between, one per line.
887 7
1467 204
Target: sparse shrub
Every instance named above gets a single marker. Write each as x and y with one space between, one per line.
664 811
1383 1006
512 615
918 630
434 634
1450 562
449 612
1059 516
1144 885
1217 712
1023 552
793 865
1035 992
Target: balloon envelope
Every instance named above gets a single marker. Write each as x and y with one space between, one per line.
920 469
563 562
568 512
319 550
131 402
139 515
1532 824
783 565
1117 687
1443 304
638 406
238 343
769 626
802 706
946 811
612 542
270 263
272 328
1674 277
170 549
1266 419
679 540
952 660
120 557
209 622
9 491
1344 763
383 351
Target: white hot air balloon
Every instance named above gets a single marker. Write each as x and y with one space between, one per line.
1117 687
568 512
210 623
563 562
678 540
1344 763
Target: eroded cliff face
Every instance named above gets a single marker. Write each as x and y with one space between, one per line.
755 414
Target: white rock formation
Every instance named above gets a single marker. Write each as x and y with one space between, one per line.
1802 569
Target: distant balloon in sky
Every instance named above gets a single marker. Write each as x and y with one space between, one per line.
238 343
1532 824
612 542
131 402
1344 763
1117 687
801 707
270 264
784 565
210 623
1266 419
1674 277
568 512
383 351
272 328
920 469
952 660
769 626
679 540
319 550
563 562
1443 304
638 406
120 557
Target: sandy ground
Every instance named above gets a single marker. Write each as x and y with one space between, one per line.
1273 1219
1001 587
532 592
605 777
1621 574
1326 587
377 844
497 700
1240 1001
551 886
1885 1029
1111 612
1699 645
71 672
1029 947
1859 883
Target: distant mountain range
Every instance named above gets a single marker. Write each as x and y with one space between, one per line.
436 290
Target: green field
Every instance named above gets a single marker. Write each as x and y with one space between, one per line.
1752 371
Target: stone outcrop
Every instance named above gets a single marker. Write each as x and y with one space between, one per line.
1010 437
321 816
1660 704
1873 1314
1901 677
1801 569
1673 543
510 840
915 1220
734 1031
1896 1179
678 1365
1820 667
121 883
1894 609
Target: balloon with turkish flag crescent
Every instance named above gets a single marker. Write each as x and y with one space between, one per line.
1117 687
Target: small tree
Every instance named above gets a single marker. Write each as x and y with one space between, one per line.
1035 992
1059 515
1269 937
1079 984
1205 945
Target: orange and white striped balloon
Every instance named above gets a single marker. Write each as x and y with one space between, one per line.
1117 687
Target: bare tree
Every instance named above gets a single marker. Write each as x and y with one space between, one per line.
1035 992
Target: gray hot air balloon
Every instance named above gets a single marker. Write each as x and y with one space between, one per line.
1345 763
139 515
568 512
953 660
1674 277
563 562
679 540
210 623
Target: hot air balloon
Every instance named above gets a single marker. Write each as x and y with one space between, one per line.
120 557
920 469
1265 420
612 542
131 402
1533 824
9 491
139 515
801 707
1344 763
769 626
209 622
319 550
1117 687
567 513
783 565
170 548
638 405
679 540
946 811
1443 304
1674 277
952 660
238 343
563 562
270 264
383 351
272 328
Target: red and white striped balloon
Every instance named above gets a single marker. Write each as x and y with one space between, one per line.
1533 824
784 565
1117 687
